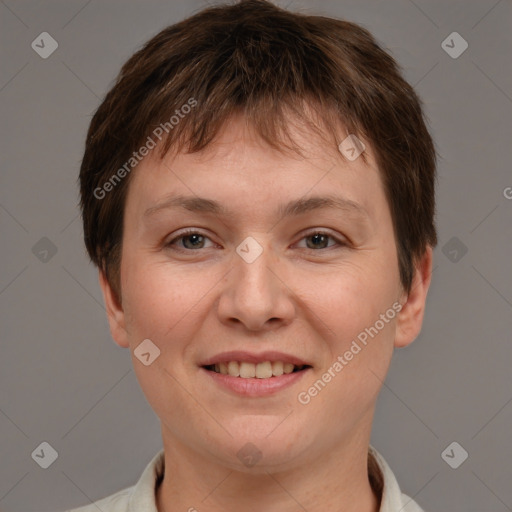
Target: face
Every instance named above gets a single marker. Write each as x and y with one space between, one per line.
242 254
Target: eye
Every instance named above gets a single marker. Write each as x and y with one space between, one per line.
320 240
188 240
193 240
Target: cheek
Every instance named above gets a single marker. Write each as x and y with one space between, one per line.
159 306
351 304
157 296
353 295
358 348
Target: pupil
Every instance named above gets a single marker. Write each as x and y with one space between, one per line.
318 238
195 238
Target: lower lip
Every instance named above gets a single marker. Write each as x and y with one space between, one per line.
256 387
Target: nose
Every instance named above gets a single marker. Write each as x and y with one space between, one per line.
256 294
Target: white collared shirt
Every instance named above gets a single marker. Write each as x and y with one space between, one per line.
141 496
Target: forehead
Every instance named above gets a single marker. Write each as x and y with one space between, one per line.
239 166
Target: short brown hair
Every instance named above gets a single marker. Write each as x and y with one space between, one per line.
256 59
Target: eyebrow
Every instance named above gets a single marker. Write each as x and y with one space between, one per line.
292 208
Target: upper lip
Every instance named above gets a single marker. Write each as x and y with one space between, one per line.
252 357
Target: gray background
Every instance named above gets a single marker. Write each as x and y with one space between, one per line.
64 381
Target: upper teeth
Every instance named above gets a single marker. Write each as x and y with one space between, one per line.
260 370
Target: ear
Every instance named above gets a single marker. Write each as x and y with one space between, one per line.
115 313
410 318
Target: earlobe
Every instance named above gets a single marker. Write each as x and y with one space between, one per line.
115 312
410 318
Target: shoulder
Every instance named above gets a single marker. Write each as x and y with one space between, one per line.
117 502
139 497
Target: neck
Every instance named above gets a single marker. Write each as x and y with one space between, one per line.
336 481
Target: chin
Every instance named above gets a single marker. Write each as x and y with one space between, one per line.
264 446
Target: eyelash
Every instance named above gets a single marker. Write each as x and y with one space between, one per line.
190 232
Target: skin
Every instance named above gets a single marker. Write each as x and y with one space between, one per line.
295 298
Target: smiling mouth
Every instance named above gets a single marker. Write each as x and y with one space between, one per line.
264 370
